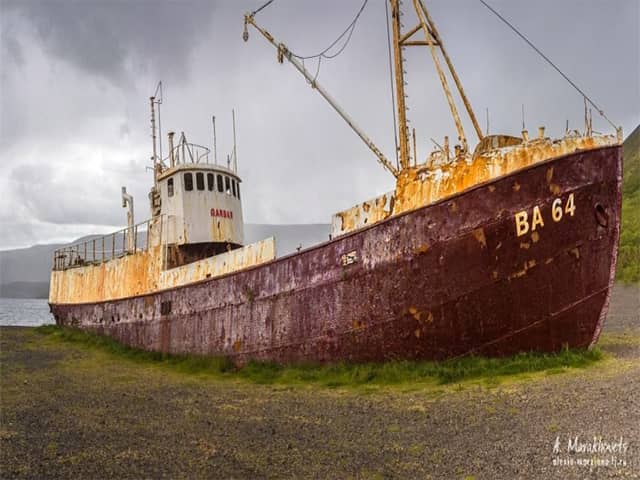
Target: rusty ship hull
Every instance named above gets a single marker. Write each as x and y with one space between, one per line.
457 277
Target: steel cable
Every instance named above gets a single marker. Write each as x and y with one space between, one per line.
537 50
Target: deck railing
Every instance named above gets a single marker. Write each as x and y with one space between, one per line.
102 249
186 152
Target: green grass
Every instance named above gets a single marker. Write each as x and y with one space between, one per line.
628 269
341 374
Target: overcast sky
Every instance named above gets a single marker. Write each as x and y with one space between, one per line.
76 77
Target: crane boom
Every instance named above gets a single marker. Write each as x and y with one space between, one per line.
283 52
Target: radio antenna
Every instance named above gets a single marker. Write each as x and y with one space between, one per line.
158 100
215 150
235 149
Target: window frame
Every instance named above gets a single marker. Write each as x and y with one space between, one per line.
170 187
200 181
210 181
188 184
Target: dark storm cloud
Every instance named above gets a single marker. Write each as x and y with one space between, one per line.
116 38
76 77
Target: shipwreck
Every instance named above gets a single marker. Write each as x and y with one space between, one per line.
505 247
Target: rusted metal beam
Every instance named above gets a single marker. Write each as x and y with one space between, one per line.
443 80
408 34
418 43
434 32
400 95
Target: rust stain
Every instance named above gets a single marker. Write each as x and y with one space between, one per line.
424 184
525 245
478 233
429 182
357 325
421 249
143 273
535 237
555 188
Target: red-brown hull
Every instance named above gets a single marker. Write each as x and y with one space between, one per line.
449 279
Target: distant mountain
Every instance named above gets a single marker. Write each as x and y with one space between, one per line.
24 273
628 269
25 290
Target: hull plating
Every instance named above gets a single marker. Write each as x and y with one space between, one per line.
449 279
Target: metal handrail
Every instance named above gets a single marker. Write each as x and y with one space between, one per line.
194 151
101 249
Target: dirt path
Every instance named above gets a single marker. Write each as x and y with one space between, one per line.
74 412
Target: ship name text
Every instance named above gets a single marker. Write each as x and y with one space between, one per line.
218 212
526 222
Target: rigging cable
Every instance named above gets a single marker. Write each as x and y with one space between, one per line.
323 54
600 111
393 98
260 8
348 32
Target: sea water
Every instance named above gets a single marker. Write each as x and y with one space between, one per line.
26 312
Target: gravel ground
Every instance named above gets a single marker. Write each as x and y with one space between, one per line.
75 412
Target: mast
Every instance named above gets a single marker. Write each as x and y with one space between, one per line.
153 135
434 42
403 131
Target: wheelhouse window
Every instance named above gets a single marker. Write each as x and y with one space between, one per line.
170 187
188 181
220 185
233 187
200 180
227 185
238 189
210 181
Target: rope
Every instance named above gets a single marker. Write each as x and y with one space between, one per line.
600 111
348 31
393 98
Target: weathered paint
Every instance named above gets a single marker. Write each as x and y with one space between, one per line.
143 273
423 284
191 215
363 214
427 183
